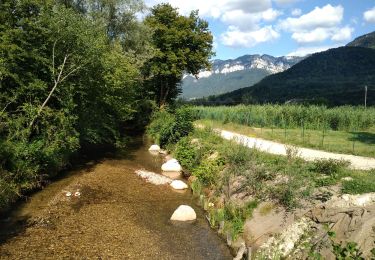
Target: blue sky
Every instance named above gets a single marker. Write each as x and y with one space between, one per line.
280 27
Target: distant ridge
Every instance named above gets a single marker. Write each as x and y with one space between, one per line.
334 77
229 75
366 41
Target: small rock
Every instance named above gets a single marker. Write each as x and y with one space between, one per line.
347 179
77 194
68 194
184 213
171 165
154 148
194 141
179 185
213 156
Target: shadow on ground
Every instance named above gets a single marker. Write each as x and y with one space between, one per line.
363 137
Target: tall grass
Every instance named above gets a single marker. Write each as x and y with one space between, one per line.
345 118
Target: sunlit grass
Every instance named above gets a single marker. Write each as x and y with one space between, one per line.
357 143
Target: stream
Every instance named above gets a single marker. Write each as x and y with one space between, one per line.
111 214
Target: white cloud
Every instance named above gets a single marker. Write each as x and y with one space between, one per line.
303 51
319 25
248 6
246 20
296 12
270 14
321 34
343 34
285 2
325 17
240 19
316 35
234 37
216 8
369 15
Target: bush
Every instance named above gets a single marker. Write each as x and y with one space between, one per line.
208 170
186 154
161 127
330 167
166 127
236 154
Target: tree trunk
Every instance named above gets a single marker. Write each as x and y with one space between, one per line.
163 95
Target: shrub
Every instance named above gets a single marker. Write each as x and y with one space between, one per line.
166 127
236 154
186 154
208 170
330 167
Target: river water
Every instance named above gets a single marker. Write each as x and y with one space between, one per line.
117 215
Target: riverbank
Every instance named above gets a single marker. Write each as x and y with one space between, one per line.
116 215
279 206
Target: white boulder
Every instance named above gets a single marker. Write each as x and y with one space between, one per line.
184 213
153 178
154 148
179 185
171 166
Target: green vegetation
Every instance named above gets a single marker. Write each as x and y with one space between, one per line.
221 169
367 41
334 77
346 118
347 130
183 45
167 127
75 74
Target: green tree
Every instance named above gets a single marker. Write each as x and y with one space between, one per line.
65 82
183 45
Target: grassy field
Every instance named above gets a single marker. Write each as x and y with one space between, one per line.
349 142
345 118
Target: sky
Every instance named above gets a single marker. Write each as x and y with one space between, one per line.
280 27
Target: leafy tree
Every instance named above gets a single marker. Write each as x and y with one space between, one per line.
65 82
183 45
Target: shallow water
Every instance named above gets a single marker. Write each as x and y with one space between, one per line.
117 216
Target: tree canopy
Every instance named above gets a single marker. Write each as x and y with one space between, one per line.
70 77
183 45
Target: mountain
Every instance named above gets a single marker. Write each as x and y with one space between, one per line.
366 41
335 77
229 75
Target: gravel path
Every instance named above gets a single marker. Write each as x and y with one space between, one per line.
356 162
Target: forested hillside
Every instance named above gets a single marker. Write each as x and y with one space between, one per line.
366 41
334 77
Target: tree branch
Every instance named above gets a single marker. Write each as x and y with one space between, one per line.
57 81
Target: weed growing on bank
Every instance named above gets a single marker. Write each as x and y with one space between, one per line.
225 171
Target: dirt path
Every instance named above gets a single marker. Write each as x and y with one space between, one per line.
356 162
117 216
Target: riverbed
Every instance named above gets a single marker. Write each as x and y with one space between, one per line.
111 213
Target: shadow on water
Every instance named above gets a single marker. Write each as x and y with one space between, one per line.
10 228
363 137
13 224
